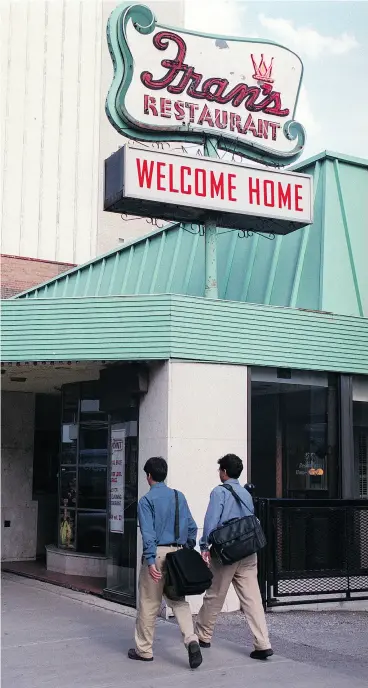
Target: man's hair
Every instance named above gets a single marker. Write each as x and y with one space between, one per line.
156 467
231 464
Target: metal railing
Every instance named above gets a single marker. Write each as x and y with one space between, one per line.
317 550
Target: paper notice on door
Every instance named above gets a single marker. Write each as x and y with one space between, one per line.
117 480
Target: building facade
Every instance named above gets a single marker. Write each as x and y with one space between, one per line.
122 358
56 72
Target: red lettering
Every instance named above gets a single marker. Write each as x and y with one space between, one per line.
231 186
144 175
179 110
221 123
263 128
235 122
284 196
217 186
199 172
165 107
192 108
205 116
298 198
212 89
250 126
268 184
160 176
254 190
150 104
185 190
274 127
171 179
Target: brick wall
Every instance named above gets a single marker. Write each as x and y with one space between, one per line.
19 274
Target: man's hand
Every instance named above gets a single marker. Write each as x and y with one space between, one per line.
206 557
154 573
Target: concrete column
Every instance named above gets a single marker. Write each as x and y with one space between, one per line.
18 511
192 414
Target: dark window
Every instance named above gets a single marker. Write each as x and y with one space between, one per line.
294 437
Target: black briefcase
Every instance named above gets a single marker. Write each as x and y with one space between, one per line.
238 538
186 572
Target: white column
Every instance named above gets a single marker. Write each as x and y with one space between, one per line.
193 414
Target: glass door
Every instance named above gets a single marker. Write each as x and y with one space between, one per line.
122 521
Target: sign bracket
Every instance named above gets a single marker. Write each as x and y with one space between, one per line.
210 235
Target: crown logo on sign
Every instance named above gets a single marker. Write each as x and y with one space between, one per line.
262 73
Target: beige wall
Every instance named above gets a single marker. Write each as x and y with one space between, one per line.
56 71
17 431
193 414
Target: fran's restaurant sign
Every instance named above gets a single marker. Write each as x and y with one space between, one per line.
179 85
151 182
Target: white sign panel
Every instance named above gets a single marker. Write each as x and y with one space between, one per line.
218 186
242 91
117 480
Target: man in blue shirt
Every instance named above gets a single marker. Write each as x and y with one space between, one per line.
156 515
243 574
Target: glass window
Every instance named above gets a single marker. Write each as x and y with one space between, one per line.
93 444
92 492
99 505
92 532
69 443
360 430
70 403
68 487
294 435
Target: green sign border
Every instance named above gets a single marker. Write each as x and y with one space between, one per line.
145 22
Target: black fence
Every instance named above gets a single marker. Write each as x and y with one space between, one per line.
317 550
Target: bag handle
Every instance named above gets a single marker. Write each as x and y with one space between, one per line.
177 530
236 496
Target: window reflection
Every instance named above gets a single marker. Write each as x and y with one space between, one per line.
294 438
93 445
68 487
360 428
92 487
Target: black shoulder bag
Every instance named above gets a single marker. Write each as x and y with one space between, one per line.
186 572
237 538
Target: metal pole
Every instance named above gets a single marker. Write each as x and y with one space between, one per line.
210 237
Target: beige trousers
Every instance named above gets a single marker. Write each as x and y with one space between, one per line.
243 575
150 597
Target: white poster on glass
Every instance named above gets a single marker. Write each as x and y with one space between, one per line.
117 480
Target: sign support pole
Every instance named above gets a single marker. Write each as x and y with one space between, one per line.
210 237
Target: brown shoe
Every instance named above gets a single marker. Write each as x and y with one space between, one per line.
133 654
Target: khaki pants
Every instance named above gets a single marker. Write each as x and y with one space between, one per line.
150 597
243 575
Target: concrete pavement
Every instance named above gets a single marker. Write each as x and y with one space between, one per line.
54 638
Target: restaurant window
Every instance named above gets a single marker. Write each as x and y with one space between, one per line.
98 482
360 433
294 434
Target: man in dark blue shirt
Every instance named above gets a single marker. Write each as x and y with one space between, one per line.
243 574
156 515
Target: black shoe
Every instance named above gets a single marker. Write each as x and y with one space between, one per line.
203 644
133 654
195 655
261 654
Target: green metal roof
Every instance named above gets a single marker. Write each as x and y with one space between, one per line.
159 327
321 267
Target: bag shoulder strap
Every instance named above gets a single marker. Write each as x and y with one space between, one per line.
230 489
177 530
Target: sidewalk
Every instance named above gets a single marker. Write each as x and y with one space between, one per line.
54 637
